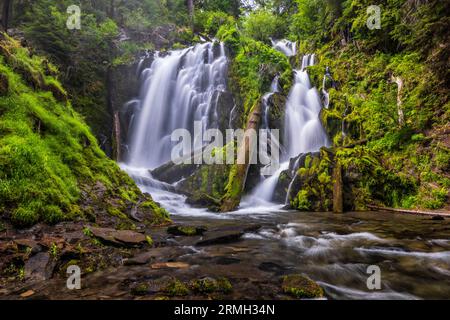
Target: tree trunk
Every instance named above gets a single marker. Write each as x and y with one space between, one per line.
238 174
338 206
401 116
190 6
5 13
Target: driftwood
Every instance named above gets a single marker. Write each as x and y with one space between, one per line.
418 212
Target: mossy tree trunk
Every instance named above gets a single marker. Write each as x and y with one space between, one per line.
238 173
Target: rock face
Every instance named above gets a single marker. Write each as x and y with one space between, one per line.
119 237
312 186
39 267
277 105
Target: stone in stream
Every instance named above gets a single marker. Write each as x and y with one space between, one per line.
300 286
119 237
170 265
226 235
186 231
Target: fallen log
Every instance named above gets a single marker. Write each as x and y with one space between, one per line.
418 212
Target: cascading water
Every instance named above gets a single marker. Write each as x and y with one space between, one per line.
285 46
177 90
303 128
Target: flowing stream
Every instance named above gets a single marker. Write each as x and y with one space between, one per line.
412 252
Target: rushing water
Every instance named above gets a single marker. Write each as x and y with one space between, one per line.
412 252
177 90
287 47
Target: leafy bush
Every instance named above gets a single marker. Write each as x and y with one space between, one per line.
262 25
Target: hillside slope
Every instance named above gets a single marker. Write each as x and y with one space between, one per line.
51 167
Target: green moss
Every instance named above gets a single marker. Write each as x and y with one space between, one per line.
176 288
48 155
210 285
301 287
140 290
149 241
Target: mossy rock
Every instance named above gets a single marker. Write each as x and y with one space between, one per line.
187 231
300 286
203 200
140 290
210 285
176 288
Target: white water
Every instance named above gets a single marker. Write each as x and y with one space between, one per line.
285 46
303 129
177 90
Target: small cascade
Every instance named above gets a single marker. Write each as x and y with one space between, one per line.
286 47
178 89
304 132
266 188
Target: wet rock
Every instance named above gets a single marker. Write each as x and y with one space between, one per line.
226 235
119 237
171 172
170 265
176 288
210 285
203 200
300 286
272 268
39 267
140 259
225 261
187 231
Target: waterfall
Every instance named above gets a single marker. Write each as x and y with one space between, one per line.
177 90
303 130
285 46
266 188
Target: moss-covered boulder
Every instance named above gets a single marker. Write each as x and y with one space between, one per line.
208 285
187 231
301 287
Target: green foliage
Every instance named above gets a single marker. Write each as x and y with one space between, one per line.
47 152
262 25
211 21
